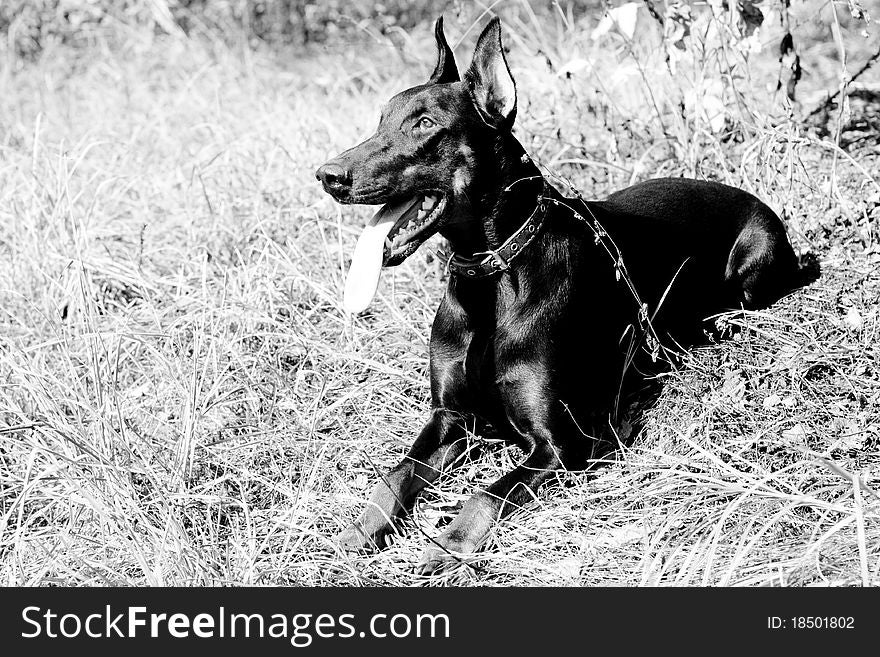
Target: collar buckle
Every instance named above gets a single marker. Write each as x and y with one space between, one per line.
497 261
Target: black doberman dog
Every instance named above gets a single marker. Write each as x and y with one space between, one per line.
550 298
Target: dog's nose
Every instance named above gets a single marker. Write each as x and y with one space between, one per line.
334 176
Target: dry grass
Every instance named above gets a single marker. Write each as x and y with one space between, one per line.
183 401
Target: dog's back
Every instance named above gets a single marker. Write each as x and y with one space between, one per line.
707 246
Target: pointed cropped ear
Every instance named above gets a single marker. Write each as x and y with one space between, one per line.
489 81
445 71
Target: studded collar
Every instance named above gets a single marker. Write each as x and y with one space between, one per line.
495 261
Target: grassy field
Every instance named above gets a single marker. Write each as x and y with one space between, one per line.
183 400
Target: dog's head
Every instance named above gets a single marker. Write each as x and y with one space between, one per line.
429 145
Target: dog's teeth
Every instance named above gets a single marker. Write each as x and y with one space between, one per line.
421 214
428 203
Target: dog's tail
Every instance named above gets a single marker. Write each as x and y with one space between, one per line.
808 270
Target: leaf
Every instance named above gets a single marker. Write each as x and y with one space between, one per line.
620 536
624 18
714 109
786 46
750 17
705 102
853 319
719 7
734 388
796 434
851 435
677 25
569 568
846 110
574 65
771 401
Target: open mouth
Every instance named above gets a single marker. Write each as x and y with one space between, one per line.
417 222
393 234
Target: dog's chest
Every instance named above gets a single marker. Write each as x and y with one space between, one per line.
467 357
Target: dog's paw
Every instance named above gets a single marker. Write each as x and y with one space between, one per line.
434 560
446 554
354 539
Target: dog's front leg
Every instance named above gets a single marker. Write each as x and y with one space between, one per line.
471 526
527 403
441 442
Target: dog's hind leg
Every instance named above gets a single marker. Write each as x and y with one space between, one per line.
440 444
762 267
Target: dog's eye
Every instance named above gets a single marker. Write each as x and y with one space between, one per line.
425 123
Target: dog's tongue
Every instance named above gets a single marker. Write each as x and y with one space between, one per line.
366 263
